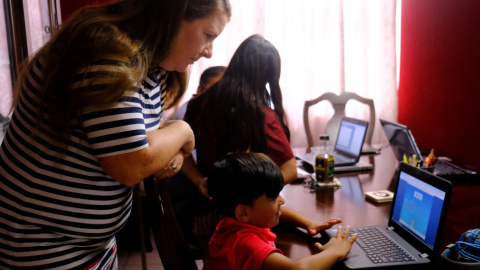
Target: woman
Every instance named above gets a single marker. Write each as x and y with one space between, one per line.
86 127
242 112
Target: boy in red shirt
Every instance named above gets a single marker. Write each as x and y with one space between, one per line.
246 189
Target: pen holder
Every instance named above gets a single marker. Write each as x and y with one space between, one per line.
429 169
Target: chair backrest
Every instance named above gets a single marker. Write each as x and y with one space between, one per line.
171 244
338 103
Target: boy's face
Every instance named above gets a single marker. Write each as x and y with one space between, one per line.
265 212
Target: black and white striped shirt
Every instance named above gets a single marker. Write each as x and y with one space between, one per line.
63 213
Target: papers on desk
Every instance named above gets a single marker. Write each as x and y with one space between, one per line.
302 174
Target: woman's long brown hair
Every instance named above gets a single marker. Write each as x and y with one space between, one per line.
127 38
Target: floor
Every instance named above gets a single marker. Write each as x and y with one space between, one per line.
132 260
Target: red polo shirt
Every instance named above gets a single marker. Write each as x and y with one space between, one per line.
237 245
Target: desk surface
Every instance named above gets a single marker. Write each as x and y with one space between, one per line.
349 204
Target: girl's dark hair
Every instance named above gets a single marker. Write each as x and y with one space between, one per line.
209 73
131 37
241 178
232 112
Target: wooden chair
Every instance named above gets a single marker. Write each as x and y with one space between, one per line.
338 103
171 244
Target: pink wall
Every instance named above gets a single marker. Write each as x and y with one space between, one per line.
439 90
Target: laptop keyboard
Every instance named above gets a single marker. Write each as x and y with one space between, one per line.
340 159
443 167
379 247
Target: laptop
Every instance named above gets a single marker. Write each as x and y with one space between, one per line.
416 221
348 147
401 140
350 139
403 143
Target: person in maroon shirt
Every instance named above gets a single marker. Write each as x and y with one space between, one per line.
242 112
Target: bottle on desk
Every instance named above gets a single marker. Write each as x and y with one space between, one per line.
430 159
324 161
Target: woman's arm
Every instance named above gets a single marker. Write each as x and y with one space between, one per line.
163 148
289 171
191 171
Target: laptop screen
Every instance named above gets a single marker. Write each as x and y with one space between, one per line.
350 137
401 139
418 208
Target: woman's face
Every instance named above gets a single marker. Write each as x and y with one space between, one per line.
194 41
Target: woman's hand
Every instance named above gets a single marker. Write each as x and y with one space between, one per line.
191 171
173 166
201 184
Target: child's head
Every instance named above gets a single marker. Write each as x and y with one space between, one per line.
209 77
246 186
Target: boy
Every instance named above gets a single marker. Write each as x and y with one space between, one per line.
246 189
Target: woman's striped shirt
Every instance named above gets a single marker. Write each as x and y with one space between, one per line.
63 213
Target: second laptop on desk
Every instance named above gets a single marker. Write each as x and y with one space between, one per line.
348 147
403 144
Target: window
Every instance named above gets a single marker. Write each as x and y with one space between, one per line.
25 25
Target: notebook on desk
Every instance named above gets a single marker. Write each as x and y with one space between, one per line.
415 225
348 147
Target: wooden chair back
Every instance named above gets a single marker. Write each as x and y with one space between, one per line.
338 103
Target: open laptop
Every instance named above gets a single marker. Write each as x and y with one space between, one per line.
348 147
401 140
417 216
403 143
350 139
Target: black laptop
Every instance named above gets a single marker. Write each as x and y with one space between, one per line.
350 139
348 147
415 225
401 139
403 143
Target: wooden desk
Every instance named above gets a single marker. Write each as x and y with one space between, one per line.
349 204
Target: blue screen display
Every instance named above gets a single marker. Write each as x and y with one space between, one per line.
418 207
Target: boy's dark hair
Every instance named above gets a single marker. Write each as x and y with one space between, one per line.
240 178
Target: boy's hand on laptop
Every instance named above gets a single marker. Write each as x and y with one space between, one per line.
315 228
339 245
